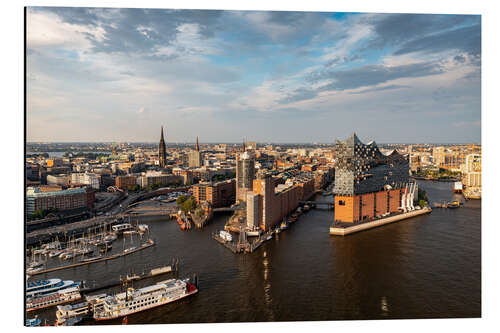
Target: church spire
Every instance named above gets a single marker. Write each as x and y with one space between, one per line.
162 154
197 145
243 148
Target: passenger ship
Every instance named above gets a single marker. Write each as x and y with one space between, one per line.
46 287
133 301
59 297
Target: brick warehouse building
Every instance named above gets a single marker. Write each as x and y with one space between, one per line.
219 194
268 204
368 183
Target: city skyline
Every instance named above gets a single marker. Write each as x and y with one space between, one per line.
270 76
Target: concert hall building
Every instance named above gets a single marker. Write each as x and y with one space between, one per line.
368 183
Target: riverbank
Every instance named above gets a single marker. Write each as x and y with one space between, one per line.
447 180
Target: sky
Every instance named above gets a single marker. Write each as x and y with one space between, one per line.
117 75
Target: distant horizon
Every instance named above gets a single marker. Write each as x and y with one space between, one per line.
239 142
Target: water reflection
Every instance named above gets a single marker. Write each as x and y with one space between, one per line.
267 286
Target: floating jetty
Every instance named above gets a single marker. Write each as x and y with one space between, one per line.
174 267
149 243
346 230
453 204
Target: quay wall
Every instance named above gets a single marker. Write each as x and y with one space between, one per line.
369 225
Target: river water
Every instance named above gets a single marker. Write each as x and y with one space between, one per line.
425 267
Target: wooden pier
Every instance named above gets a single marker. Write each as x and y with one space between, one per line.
243 245
111 257
173 268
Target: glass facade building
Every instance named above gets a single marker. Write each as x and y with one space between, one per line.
368 183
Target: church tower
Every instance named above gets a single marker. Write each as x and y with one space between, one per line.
162 151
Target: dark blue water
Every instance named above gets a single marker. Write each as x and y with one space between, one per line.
424 267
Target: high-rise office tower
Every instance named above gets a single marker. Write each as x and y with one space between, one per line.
245 173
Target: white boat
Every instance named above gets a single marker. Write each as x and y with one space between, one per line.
119 228
59 297
85 251
161 270
143 227
225 235
129 249
90 259
253 232
67 255
68 315
35 264
46 287
33 270
95 301
55 253
33 322
110 238
133 301
283 225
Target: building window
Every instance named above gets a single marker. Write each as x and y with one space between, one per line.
341 202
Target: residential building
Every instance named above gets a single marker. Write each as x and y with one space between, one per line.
62 179
61 200
125 182
91 179
245 174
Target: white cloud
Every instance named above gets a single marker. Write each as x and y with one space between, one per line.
45 29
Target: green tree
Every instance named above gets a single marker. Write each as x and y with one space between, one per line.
134 188
422 196
187 205
181 199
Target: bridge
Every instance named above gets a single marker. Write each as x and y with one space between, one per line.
225 209
314 204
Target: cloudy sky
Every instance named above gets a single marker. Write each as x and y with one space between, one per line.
118 74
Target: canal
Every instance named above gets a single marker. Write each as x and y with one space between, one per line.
425 267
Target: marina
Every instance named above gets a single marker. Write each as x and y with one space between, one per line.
128 251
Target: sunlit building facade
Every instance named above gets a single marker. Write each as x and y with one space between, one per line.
368 183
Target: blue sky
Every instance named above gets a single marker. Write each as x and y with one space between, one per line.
118 74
